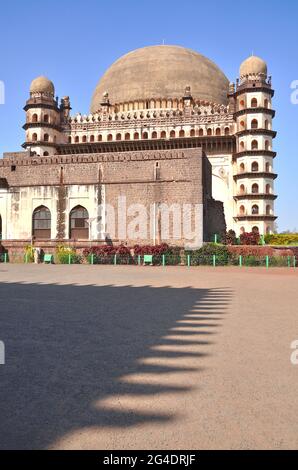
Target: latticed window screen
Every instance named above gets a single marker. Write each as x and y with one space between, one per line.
78 218
42 219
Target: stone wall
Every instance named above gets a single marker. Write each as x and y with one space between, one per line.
149 178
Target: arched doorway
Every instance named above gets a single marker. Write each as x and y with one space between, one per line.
78 223
41 223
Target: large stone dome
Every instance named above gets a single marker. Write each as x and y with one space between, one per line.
161 72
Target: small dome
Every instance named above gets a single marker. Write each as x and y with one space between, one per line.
42 85
252 66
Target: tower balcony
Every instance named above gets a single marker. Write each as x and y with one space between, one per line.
259 131
257 110
39 143
254 153
255 217
31 125
255 174
249 196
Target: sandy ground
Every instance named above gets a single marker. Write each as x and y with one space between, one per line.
148 358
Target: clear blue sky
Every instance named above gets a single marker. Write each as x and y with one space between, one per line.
74 41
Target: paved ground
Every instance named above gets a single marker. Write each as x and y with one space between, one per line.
151 358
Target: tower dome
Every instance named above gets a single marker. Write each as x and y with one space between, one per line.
42 85
253 66
161 72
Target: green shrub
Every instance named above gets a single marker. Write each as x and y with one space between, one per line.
29 254
63 252
204 255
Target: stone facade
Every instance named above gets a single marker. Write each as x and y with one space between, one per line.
154 151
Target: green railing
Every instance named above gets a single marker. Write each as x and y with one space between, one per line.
189 259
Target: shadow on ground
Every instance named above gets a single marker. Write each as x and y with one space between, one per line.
69 346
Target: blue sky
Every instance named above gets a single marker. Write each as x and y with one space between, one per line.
73 43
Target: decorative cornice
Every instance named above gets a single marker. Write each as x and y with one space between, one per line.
255 174
254 153
29 125
259 109
210 144
258 131
255 217
250 196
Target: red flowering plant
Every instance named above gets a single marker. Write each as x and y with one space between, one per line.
105 254
171 254
252 238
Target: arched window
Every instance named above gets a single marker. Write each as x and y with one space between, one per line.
46 118
45 154
268 188
41 223
255 209
254 166
241 104
78 223
242 125
163 134
267 145
254 103
209 131
118 136
241 146
266 103
242 189
34 118
34 137
254 124
154 135
192 133
136 136
99 138
181 133
172 134
217 131
46 137
255 229
201 132
227 131
255 188
77 139
242 210
145 135
242 167
69 139
254 145
84 138
110 137
127 136
266 124
92 138
242 230
268 210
